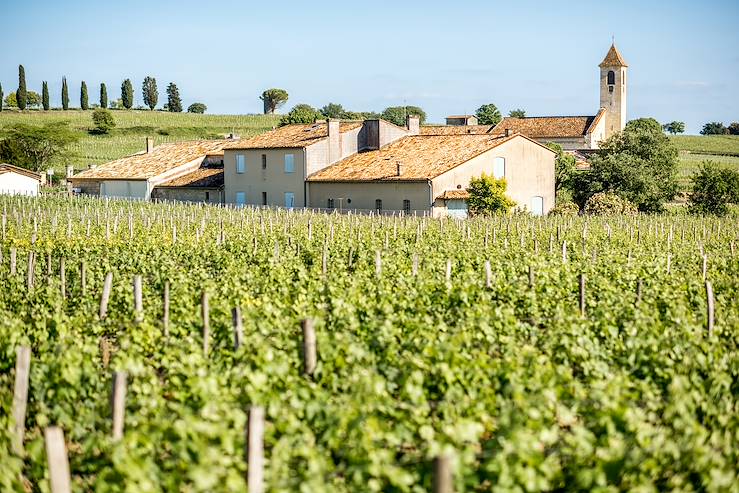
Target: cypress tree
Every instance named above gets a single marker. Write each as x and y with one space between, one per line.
84 103
103 96
174 103
150 92
65 94
127 94
21 95
45 95
1 97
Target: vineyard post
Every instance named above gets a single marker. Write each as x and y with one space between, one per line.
638 290
488 275
48 265
138 302
13 261
83 278
442 475
238 327
309 347
56 457
705 266
709 308
378 263
31 268
564 251
415 265
63 277
255 450
531 276
205 312
107 286
165 314
582 294
118 403
20 396
669 259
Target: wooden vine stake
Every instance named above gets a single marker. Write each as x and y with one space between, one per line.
564 251
705 267
56 457
118 404
165 314
205 312
309 347
415 265
20 396
31 268
107 286
238 327
63 277
582 294
138 302
255 450
488 275
378 263
531 276
13 261
710 307
442 475
639 284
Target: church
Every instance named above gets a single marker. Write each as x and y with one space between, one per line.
573 133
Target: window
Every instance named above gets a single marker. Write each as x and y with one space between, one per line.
537 206
264 198
499 168
240 163
289 163
407 206
378 205
264 161
611 78
289 199
330 204
240 198
207 195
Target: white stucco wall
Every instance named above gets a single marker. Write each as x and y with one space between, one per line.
17 184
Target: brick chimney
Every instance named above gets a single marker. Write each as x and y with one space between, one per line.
149 145
334 140
413 124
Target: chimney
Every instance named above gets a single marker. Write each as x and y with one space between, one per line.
334 140
400 169
413 124
149 145
508 132
70 171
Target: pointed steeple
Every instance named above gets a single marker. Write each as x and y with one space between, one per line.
613 58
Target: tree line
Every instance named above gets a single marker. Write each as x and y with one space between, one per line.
22 98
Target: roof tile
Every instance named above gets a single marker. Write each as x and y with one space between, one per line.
291 136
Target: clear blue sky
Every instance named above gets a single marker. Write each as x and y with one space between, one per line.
447 57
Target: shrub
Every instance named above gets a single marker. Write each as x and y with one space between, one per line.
609 203
199 108
714 188
103 120
565 209
301 113
487 196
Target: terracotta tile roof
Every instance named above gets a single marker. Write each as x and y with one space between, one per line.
291 136
163 158
455 195
9 168
613 58
456 117
456 129
200 178
422 157
540 127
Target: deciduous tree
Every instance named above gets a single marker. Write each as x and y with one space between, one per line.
714 188
398 114
674 127
34 146
518 113
714 128
103 120
733 128
333 110
273 99
150 92
197 108
127 94
174 103
301 113
21 93
45 95
564 168
488 114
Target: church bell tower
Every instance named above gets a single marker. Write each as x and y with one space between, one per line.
613 90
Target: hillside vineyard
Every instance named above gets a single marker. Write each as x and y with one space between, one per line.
513 353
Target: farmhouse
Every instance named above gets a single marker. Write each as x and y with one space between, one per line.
18 181
430 174
188 171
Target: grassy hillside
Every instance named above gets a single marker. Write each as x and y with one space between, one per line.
695 149
132 128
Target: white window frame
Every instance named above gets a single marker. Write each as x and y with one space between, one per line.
289 200
242 202
240 164
289 163
499 168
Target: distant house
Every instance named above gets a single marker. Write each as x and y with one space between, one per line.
429 174
184 171
18 181
271 168
458 120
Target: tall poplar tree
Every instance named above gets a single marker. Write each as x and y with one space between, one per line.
150 92
21 94
1 97
84 101
103 96
65 94
45 95
174 103
127 94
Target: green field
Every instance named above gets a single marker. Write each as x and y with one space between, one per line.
422 349
132 128
696 149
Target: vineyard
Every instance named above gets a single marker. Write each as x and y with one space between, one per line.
199 349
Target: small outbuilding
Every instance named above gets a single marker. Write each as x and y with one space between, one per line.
18 181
